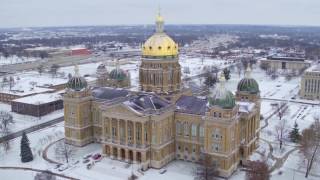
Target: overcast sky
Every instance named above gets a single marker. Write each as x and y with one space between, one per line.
27 13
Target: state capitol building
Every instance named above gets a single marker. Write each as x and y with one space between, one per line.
163 122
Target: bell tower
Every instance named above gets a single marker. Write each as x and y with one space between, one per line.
77 111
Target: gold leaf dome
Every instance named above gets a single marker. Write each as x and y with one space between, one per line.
159 44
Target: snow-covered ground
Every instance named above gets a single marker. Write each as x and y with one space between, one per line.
16 60
25 121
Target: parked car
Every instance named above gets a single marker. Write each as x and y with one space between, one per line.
57 166
87 156
90 165
85 161
63 167
97 157
162 171
75 162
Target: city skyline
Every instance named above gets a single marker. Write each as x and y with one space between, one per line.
37 13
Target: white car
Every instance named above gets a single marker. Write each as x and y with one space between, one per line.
63 167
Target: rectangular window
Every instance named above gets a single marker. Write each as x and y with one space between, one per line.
194 130
201 131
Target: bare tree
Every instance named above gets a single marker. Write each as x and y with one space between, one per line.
257 170
310 145
40 69
6 120
11 82
206 169
64 152
281 109
281 131
54 69
33 84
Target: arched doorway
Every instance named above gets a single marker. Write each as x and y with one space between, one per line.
115 152
130 156
123 154
139 157
107 150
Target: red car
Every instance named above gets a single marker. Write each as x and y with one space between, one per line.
97 157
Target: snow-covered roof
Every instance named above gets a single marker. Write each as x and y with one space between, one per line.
39 98
245 107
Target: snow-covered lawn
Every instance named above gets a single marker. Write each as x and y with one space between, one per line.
25 121
38 141
16 60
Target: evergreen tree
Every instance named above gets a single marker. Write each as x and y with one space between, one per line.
210 79
25 151
294 134
226 73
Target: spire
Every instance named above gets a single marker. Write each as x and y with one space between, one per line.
248 72
222 81
117 65
159 22
76 70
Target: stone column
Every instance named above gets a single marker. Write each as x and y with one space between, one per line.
134 156
126 132
118 130
111 152
127 155
110 128
134 134
142 134
119 153
103 130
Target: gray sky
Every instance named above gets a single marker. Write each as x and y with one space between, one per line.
26 13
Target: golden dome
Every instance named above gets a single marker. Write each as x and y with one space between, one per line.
159 44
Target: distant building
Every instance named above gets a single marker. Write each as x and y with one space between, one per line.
79 52
37 105
285 63
310 83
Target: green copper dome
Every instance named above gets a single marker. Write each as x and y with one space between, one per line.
118 74
225 100
222 97
77 83
248 84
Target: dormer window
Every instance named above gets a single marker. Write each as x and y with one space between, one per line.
150 47
169 47
159 47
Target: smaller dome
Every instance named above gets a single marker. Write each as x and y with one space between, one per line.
102 70
118 74
248 84
77 83
222 97
101 66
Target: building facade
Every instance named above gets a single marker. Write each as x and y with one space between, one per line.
286 63
146 127
310 83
